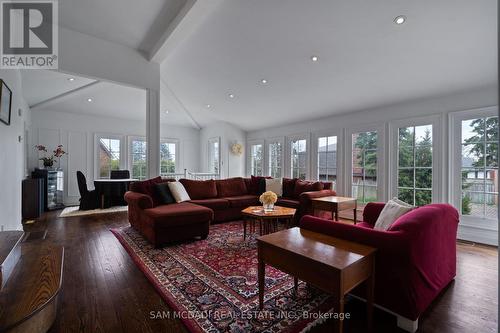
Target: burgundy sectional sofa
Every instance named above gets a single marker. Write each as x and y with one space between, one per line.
211 201
415 260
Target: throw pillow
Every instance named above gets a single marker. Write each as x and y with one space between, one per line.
258 184
163 194
178 192
275 185
148 187
393 209
288 187
302 186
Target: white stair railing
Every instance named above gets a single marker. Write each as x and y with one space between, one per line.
191 175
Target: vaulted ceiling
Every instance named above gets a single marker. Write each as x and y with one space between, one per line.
365 59
218 52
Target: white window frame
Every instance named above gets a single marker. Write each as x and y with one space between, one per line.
381 159
268 142
471 228
288 154
437 153
339 133
177 152
209 142
131 138
123 151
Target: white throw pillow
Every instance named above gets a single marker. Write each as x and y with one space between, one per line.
178 192
275 185
393 209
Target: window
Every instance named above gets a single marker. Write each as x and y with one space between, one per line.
298 153
364 166
214 155
138 158
256 160
327 159
168 154
275 168
479 168
415 165
108 155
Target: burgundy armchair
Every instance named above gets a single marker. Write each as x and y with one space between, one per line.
416 257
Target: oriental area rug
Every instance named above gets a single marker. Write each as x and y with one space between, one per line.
211 284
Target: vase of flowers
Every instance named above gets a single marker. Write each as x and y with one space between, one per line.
49 160
268 199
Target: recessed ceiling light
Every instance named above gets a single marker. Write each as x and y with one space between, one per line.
263 81
208 106
90 100
314 58
166 111
400 19
231 95
71 79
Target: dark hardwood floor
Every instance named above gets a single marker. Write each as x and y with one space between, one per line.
103 290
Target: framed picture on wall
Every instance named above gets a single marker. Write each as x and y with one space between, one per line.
5 102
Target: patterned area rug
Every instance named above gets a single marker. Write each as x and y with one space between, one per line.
74 211
212 284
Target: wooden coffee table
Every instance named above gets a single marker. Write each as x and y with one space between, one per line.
266 219
335 204
331 264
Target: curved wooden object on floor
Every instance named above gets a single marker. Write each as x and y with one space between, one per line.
28 302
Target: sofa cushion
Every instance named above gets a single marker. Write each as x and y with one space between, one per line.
214 203
243 200
163 194
183 213
231 187
288 187
302 186
178 192
200 189
148 187
287 202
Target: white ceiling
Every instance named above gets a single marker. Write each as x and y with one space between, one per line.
135 23
41 85
365 60
53 91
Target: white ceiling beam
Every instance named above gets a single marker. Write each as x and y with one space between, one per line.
165 89
62 96
187 20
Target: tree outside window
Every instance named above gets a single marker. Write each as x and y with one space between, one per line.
364 166
139 158
299 158
109 156
167 157
275 159
415 165
257 160
480 167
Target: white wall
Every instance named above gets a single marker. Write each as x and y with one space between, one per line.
77 132
231 165
12 152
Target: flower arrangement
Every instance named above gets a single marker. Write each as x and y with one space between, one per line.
237 149
268 199
48 161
